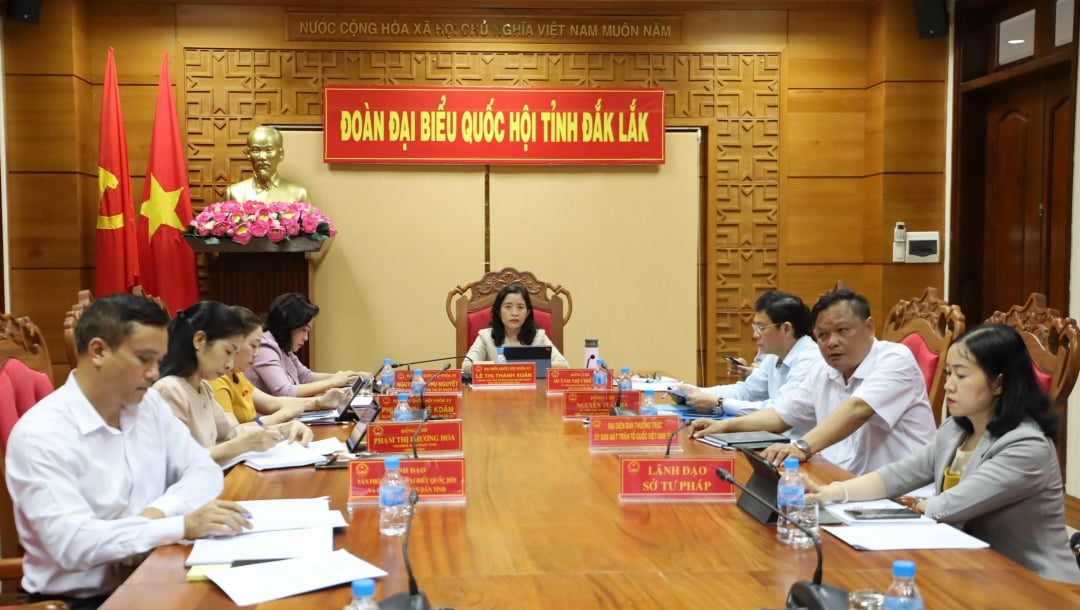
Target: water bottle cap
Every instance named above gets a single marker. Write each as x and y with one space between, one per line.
393 462
791 463
902 568
402 396
386 361
363 587
650 393
600 360
625 370
499 349
592 343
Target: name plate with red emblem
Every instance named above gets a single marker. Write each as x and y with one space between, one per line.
443 406
509 374
561 380
589 403
674 479
436 480
448 381
649 433
438 436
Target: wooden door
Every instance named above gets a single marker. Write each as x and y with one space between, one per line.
1027 184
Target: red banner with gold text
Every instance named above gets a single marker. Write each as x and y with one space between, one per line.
417 124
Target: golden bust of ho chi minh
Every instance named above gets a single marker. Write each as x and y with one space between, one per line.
265 149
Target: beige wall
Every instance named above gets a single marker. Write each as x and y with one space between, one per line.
565 224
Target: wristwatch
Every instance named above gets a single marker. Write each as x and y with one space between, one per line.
803 446
719 408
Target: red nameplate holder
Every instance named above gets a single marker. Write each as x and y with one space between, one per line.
442 406
448 382
436 480
643 479
648 433
510 374
441 437
561 380
580 404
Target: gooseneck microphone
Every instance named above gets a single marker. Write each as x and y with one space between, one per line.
802 594
398 365
424 414
423 391
590 359
414 598
682 426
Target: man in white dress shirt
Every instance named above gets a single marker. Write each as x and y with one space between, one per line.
101 472
782 330
865 407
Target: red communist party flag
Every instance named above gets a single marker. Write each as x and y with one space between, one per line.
116 256
165 259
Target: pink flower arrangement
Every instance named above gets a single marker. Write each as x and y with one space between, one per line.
277 221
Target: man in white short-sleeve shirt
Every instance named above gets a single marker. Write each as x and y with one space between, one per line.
101 471
866 406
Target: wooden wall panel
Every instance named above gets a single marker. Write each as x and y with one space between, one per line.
757 30
43 128
46 295
138 34
44 212
50 48
914 118
825 132
823 220
811 280
875 129
904 56
826 49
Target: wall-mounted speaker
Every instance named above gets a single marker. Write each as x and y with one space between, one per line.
931 18
26 11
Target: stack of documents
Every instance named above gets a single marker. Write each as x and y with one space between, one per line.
283 455
905 537
294 539
746 440
841 512
316 418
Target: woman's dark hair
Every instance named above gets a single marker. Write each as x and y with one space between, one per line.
215 319
999 350
289 312
248 318
528 327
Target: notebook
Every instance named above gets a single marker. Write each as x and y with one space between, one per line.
540 354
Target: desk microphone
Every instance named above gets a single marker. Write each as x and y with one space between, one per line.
414 598
681 427
590 359
802 594
424 414
398 365
423 391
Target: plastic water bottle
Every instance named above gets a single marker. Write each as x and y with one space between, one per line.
790 496
500 356
363 595
393 487
402 412
386 376
624 379
418 383
902 593
600 379
648 404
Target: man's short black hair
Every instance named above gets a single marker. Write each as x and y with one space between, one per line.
858 303
783 307
113 318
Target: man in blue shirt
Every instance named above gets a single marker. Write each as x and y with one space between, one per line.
782 331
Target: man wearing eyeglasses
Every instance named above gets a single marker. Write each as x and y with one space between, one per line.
865 407
782 331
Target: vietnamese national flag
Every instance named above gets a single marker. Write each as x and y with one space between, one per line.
116 256
166 262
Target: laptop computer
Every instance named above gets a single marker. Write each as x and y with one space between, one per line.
355 441
540 354
764 482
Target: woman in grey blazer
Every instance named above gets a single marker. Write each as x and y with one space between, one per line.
992 463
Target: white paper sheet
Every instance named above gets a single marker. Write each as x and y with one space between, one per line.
283 455
263 582
905 537
287 514
282 544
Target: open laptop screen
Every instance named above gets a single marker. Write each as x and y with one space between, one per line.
540 354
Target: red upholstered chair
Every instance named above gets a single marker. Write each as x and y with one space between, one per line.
1052 340
25 378
926 325
469 306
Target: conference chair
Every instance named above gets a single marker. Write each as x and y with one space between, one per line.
926 325
25 378
138 291
71 318
1052 340
469 306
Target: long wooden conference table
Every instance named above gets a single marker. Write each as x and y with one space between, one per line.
543 528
